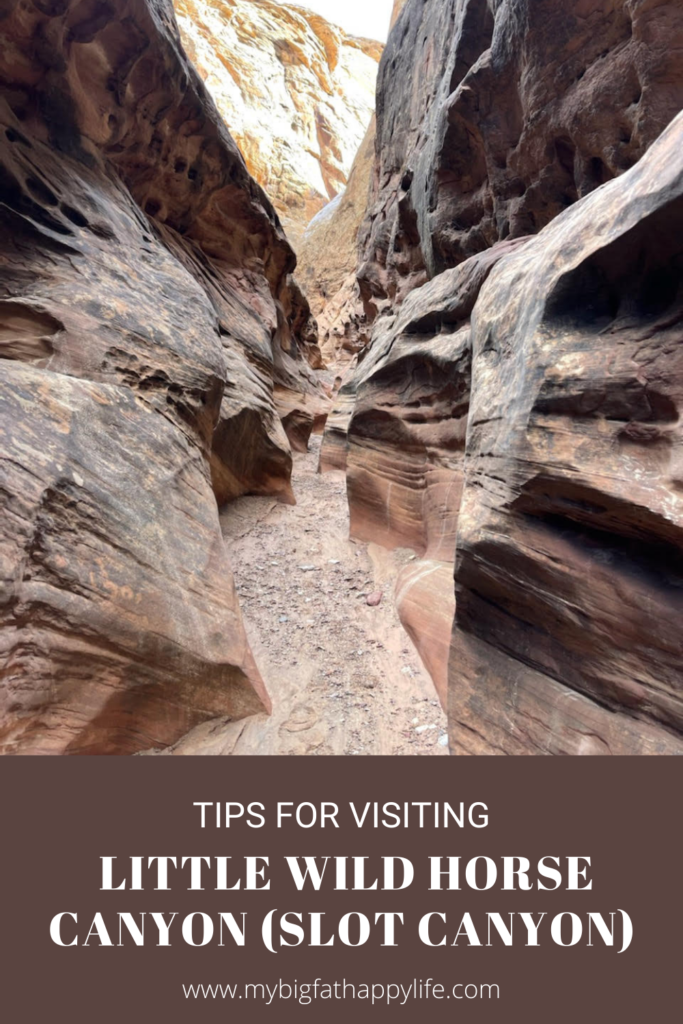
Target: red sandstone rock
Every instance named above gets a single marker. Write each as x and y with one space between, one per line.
405 437
569 574
146 308
297 92
489 125
328 259
426 604
334 449
487 131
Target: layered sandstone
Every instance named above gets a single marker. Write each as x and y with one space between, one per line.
297 92
492 120
146 315
569 577
405 443
328 259
488 127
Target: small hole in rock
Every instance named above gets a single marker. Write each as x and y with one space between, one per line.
103 231
41 191
14 136
74 216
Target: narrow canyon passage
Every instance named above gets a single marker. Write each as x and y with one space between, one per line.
485 302
343 675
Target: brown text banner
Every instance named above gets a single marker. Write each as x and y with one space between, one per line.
183 889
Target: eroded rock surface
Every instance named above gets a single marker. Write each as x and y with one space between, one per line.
328 259
406 444
343 676
146 308
492 119
489 126
328 256
297 92
569 579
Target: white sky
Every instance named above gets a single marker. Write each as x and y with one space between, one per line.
369 18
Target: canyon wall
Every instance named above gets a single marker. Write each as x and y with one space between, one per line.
492 119
396 10
147 318
517 409
569 573
297 92
328 256
328 259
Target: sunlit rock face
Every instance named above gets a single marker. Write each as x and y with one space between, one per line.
328 256
297 92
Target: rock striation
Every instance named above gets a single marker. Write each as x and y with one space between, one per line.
147 315
328 256
517 408
297 92
328 259
569 578
492 119
405 444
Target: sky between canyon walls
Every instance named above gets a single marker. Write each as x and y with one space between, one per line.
368 18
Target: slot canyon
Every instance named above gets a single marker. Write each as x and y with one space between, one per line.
341 380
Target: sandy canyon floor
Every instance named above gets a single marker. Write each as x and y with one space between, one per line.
343 675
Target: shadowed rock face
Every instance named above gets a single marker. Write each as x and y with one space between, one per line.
397 8
335 446
569 579
406 444
146 310
490 124
533 426
328 259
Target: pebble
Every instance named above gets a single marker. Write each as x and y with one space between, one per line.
357 692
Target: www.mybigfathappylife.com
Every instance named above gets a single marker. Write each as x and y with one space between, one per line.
306 992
